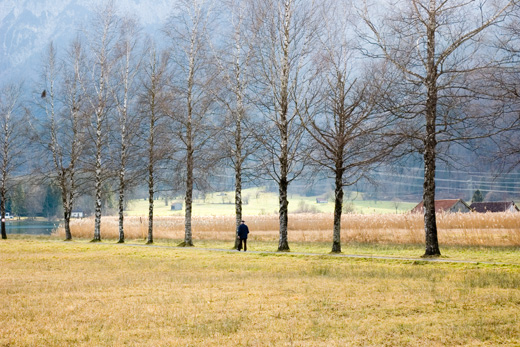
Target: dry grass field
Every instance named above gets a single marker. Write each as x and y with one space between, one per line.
259 202
55 293
475 229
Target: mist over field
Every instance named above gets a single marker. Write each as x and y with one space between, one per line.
27 27
108 103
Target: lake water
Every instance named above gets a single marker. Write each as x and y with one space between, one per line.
30 227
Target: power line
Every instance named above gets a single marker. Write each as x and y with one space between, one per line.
445 188
484 174
492 183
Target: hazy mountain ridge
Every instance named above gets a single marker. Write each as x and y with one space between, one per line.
27 27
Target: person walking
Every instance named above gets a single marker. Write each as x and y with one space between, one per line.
242 232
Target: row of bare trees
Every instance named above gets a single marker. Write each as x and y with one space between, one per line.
274 89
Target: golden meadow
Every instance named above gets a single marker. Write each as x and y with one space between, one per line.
465 229
55 293
79 293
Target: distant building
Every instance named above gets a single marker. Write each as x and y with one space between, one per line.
321 201
495 206
450 205
77 214
177 206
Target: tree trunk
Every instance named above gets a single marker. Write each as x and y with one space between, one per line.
2 214
3 187
150 193
121 205
238 174
100 109
150 204
149 240
97 224
67 207
189 169
188 200
430 222
283 245
189 154
238 202
66 223
338 206
430 142
151 149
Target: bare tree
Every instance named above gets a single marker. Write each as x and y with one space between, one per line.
124 91
153 102
63 127
434 46
286 30
234 60
12 141
97 90
347 124
193 102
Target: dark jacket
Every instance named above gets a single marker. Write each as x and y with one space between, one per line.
243 230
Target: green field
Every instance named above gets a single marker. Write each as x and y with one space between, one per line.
259 202
55 293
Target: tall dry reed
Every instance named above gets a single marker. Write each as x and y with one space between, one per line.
493 229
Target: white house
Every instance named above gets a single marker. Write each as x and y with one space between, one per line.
77 214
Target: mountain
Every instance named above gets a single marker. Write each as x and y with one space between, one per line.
28 26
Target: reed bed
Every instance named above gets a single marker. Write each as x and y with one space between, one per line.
489 229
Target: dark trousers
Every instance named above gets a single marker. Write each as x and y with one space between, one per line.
244 241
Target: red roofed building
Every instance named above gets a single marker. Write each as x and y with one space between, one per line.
451 205
495 206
